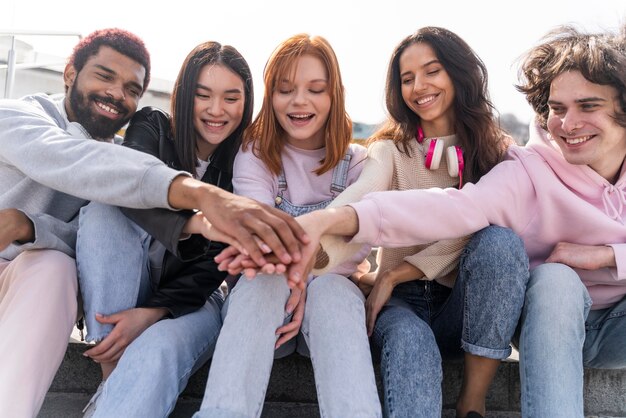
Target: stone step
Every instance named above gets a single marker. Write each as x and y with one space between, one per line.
78 377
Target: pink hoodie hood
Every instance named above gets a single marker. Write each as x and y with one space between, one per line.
581 179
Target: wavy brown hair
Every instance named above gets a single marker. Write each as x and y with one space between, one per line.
475 124
266 136
599 57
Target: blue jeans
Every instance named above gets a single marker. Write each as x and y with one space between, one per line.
114 275
425 321
560 335
333 329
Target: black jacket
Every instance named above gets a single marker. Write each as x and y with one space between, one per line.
188 274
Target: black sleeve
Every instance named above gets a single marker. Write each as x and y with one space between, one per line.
148 129
188 290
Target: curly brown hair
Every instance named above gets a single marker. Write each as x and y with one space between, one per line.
599 57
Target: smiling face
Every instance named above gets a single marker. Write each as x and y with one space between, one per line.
218 107
427 89
302 105
104 95
581 122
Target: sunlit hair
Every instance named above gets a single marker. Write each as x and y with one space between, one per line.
600 58
266 136
124 42
182 106
475 123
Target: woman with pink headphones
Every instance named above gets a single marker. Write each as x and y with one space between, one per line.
452 298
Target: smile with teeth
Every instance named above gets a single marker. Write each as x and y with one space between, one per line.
107 108
215 124
300 116
426 99
579 140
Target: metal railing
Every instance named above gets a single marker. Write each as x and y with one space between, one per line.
12 65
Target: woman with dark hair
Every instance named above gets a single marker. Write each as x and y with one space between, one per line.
448 297
150 286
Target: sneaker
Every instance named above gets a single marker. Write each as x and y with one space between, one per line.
90 408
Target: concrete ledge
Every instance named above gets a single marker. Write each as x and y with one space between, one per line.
291 391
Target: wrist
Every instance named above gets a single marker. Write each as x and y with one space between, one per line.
25 230
188 193
155 314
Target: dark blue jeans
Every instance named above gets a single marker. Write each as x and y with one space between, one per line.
425 321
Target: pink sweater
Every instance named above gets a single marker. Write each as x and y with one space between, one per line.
251 178
535 192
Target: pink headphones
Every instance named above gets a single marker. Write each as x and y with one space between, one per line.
454 156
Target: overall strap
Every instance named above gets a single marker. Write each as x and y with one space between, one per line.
340 174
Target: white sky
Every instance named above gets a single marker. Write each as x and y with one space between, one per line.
363 33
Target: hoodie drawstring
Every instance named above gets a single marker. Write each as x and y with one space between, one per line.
615 212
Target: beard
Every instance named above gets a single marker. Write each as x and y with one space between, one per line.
98 126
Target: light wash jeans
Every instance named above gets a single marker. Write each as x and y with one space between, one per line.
333 328
114 275
425 321
558 335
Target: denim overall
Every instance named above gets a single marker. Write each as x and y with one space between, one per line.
340 178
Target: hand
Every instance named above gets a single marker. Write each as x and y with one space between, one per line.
198 224
586 257
127 325
296 300
15 226
241 218
234 262
366 282
341 221
378 297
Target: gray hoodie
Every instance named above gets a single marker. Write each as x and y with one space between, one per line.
50 168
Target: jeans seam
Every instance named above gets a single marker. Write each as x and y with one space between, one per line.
389 396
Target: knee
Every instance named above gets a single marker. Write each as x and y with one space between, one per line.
331 289
550 279
497 252
100 220
397 327
263 290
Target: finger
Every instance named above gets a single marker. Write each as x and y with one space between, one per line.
299 271
284 338
227 253
292 326
250 273
238 262
115 352
249 244
232 242
284 236
102 346
263 246
293 300
223 265
108 319
268 269
372 314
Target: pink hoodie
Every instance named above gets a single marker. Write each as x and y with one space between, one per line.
535 192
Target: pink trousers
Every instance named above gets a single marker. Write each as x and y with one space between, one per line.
38 291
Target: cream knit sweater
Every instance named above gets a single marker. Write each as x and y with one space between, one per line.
388 168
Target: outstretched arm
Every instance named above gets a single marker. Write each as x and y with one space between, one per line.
241 219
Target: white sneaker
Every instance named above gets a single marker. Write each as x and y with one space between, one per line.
90 408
